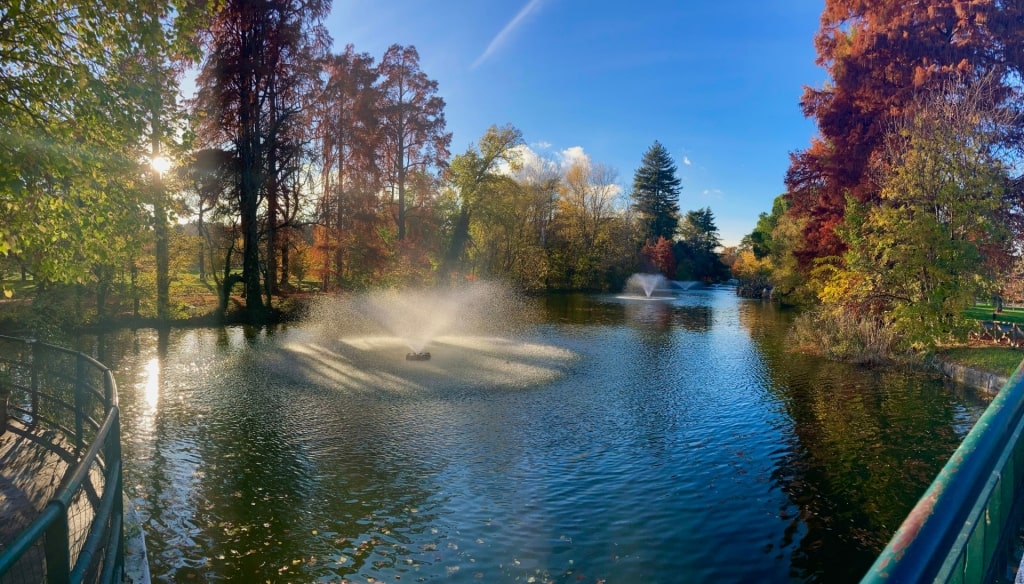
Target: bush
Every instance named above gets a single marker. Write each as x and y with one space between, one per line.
843 336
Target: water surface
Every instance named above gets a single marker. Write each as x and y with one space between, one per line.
612 440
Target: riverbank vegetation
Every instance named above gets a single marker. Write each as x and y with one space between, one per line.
292 170
906 208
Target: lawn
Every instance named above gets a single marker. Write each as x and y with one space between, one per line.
984 312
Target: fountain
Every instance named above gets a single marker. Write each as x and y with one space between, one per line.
649 284
453 339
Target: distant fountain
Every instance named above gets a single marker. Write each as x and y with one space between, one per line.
648 284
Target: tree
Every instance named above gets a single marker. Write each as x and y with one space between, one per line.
660 256
695 251
256 50
76 104
759 241
878 56
589 231
475 177
919 258
656 193
412 124
347 122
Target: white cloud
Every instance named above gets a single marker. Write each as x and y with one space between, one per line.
573 155
686 161
532 164
502 36
542 145
712 193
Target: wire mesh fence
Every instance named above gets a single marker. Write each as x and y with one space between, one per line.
60 467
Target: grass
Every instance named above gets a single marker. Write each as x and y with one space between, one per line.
998 360
984 312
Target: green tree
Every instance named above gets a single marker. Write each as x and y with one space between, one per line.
474 178
656 193
759 241
695 249
77 95
919 258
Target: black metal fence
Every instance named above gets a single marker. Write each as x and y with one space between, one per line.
63 404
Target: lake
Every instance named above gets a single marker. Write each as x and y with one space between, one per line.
570 438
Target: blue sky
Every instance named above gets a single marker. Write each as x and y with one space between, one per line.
717 82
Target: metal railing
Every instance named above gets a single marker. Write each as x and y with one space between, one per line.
65 402
964 529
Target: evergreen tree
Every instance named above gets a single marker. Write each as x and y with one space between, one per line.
656 193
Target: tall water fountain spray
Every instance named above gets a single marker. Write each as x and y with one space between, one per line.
647 283
479 337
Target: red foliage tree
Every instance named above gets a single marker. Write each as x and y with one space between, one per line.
660 256
879 56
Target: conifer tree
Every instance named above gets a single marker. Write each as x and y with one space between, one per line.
656 193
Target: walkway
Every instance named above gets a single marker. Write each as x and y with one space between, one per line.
33 461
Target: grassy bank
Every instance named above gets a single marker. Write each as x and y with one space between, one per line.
994 359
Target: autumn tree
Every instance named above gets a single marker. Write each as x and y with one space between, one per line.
879 56
656 193
255 50
590 231
412 125
660 256
921 256
347 124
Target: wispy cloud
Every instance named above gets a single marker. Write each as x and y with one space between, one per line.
686 161
542 145
502 36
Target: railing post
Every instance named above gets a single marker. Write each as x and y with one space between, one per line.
57 547
79 402
112 454
35 380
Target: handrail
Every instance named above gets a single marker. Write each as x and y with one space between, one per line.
100 556
964 527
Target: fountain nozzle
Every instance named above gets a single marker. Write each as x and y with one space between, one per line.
424 356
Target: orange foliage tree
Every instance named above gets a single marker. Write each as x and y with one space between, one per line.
879 55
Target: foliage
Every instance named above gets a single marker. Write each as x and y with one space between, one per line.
251 89
660 256
844 336
412 124
656 193
751 270
919 257
879 56
695 250
760 241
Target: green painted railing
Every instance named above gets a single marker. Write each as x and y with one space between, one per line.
964 528
69 400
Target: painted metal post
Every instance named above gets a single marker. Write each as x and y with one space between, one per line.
35 379
79 389
57 547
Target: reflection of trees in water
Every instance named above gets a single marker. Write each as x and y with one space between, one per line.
862 447
665 313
